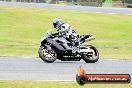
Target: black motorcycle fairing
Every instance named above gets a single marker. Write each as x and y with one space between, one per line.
63 48
67 50
60 44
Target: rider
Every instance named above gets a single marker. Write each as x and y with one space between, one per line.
66 30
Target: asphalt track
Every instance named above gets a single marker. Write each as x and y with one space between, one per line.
14 68
110 10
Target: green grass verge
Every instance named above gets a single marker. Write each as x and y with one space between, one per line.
108 3
42 84
21 30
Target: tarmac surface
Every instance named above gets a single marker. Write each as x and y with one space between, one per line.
16 68
110 10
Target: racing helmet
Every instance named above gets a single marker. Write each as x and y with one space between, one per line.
57 22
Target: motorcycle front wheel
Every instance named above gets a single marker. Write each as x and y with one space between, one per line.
47 55
91 57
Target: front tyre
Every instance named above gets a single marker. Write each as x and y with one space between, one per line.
47 55
91 57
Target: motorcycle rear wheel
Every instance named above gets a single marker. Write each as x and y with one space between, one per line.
47 55
91 57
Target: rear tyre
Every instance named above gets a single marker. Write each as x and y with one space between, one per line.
91 57
47 55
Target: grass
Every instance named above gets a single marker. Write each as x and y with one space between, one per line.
21 30
43 84
108 3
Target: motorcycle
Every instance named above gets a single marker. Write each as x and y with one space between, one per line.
55 46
